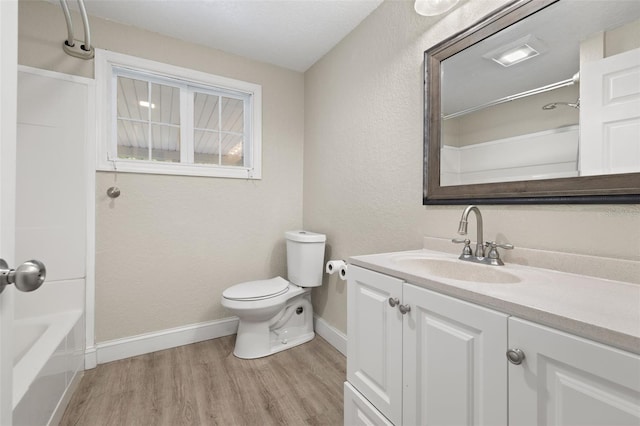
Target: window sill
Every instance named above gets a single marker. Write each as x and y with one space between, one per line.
176 169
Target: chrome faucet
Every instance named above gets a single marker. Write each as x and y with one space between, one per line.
462 228
492 257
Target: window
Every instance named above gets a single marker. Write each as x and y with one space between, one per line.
163 119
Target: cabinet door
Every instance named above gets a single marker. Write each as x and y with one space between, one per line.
358 411
567 380
374 347
455 370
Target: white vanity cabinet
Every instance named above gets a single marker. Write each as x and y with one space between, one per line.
567 380
442 362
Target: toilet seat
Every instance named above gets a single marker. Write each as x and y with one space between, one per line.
257 290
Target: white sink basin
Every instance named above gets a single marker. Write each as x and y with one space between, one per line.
455 269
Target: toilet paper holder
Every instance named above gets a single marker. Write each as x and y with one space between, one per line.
339 266
334 266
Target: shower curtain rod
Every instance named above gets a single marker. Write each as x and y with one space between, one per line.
552 86
86 50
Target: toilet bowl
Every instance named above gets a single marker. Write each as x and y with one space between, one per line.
277 314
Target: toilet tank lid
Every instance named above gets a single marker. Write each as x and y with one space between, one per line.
305 236
253 290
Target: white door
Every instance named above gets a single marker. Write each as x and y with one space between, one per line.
610 115
454 364
8 99
567 380
374 347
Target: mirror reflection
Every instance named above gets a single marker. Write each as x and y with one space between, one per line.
554 95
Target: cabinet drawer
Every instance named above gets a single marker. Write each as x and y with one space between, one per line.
358 411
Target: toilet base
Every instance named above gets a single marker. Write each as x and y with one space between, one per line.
241 351
290 327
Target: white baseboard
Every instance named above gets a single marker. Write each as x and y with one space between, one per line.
114 350
332 335
90 358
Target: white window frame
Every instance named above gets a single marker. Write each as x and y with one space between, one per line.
110 64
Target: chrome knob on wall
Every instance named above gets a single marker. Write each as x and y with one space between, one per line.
27 277
113 192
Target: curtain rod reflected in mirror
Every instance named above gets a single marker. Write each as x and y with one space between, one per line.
488 138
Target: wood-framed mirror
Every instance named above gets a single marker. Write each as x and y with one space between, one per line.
538 102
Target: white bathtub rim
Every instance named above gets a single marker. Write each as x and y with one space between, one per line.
26 370
24 340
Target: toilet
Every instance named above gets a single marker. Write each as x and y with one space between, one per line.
276 314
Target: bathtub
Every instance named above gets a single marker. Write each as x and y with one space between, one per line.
25 335
48 357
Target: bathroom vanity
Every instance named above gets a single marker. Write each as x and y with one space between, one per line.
434 340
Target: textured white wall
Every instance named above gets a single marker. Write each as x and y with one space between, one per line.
363 157
169 246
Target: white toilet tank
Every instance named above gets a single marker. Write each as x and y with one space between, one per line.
305 258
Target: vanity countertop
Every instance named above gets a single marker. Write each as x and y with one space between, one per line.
602 310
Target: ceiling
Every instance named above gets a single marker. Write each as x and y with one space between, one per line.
292 34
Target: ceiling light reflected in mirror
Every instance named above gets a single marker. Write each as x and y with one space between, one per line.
516 55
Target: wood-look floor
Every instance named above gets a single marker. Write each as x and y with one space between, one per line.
204 384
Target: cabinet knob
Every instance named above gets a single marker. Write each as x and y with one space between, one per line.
393 302
404 309
515 356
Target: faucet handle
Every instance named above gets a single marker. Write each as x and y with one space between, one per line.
502 246
466 250
494 256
